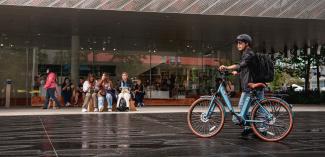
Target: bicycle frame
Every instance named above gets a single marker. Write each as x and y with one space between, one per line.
242 115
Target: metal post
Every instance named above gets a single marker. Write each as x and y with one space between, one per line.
150 74
34 64
27 73
92 62
176 79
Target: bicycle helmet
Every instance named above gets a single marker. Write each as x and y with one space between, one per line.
244 38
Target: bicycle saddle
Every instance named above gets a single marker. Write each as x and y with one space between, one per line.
256 85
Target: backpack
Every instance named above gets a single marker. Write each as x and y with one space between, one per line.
122 106
263 69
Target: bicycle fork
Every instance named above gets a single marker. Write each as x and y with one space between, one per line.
212 106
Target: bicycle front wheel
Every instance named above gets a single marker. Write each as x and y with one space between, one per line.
199 123
275 120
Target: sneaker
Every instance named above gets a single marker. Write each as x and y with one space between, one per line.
96 110
109 110
84 110
247 131
101 109
56 107
68 104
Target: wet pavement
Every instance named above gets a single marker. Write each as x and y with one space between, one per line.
147 134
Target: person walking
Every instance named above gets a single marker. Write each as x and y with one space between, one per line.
50 87
246 66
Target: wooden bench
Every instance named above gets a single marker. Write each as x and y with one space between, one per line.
114 106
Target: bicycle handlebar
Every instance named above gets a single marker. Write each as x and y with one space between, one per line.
224 73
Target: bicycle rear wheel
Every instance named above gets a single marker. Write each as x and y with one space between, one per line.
276 120
199 123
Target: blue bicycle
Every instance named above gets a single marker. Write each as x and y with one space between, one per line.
271 119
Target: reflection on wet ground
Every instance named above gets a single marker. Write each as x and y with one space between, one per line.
147 135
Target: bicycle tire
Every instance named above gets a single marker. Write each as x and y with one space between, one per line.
192 118
266 131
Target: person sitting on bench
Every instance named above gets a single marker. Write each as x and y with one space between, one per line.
89 87
107 91
125 86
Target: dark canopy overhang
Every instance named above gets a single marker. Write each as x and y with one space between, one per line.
298 9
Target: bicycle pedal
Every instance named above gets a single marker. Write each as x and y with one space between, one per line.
270 133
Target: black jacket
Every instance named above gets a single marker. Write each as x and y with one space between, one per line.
245 66
139 87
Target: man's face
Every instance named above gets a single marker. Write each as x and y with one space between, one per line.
241 46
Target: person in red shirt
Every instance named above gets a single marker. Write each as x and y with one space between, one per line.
50 87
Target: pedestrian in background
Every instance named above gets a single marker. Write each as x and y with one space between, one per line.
50 87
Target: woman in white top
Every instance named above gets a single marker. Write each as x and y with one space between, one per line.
89 87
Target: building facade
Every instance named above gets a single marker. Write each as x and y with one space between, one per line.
173 46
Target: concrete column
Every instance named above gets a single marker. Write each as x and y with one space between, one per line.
75 47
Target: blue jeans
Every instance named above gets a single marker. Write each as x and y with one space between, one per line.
139 97
245 99
109 99
50 93
66 96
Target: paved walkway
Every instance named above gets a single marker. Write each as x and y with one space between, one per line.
149 109
148 135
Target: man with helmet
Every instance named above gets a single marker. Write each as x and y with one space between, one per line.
244 44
